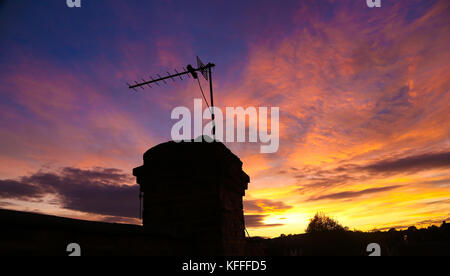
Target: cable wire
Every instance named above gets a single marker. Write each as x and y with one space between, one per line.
203 94
247 232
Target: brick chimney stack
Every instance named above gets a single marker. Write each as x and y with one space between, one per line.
193 195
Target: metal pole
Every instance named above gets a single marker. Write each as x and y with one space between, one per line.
212 103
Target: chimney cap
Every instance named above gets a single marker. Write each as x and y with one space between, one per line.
191 151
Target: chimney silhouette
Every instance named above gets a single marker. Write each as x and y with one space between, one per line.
193 195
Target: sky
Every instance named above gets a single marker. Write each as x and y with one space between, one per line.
363 96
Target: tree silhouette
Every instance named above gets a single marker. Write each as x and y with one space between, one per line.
322 223
412 229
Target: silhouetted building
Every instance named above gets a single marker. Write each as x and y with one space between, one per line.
193 193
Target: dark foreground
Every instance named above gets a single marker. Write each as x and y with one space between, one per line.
33 234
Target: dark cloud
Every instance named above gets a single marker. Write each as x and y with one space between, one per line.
332 180
438 202
264 205
411 163
6 204
318 178
100 190
440 182
256 221
353 194
13 189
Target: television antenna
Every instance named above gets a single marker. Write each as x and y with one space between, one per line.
189 71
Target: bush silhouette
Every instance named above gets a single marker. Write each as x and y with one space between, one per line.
323 223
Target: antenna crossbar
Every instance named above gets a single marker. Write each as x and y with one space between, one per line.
163 79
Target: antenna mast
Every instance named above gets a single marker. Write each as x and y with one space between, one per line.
205 70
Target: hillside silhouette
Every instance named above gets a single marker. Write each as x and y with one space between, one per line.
32 234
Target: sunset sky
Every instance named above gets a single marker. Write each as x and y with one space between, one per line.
363 94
